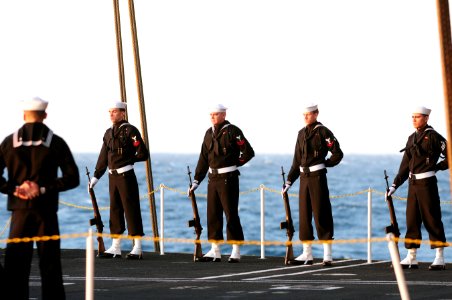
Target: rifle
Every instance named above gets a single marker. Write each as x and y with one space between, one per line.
288 224
394 227
196 222
97 220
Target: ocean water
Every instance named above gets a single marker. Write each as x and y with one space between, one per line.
347 183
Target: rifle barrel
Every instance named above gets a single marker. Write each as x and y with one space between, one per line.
97 220
394 227
196 222
288 224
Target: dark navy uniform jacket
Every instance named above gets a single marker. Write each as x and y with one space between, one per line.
313 144
122 146
35 153
225 147
422 152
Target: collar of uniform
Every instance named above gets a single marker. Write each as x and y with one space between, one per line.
32 134
115 128
423 129
218 128
119 124
311 127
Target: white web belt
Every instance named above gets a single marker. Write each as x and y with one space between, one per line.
121 170
312 168
222 170
422 175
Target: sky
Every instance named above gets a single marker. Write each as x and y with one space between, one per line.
366 63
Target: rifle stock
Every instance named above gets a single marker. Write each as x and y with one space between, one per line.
97 220
287 224
195 222
394 227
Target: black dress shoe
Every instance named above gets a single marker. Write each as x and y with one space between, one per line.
233 260
109 255
410 266
294 262
208 259
327 263
437 267
134 256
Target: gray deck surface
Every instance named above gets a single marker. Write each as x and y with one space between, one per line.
176 276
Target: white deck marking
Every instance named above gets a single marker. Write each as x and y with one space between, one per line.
306 287
336 274
313 271
278 282
268 270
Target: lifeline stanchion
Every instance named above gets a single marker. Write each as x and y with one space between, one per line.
162 221
262 222
369 226
89 284
404 295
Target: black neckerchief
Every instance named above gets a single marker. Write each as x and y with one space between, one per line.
309 132
115 128
310 129
216 134
418 136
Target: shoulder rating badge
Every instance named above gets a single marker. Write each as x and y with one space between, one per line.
329 142
135 142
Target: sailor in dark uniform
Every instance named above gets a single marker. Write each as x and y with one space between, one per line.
223 150
33 156
419 165
122 147
309 163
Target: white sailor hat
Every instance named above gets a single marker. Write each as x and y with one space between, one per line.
218 108
310 107
119 104
422 110
34 104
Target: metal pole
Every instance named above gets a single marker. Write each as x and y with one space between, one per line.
369 226
122 84
394 251
262 222
162 219
446 57
144 126
89 277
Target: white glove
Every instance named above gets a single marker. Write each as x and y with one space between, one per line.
193 187
286 187
391 191
93 182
